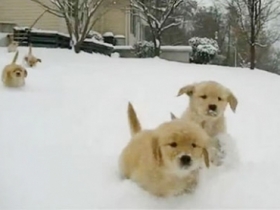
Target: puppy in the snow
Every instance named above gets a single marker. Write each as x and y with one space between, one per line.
164 161
13 75
13 45
30 59
207 104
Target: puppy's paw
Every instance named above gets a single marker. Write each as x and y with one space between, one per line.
217 152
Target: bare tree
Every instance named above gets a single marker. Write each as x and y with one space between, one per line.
79 15
179 35
157 14
253 17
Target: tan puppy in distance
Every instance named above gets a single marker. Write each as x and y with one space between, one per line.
30 59
207 104
13 45
164 161
13 75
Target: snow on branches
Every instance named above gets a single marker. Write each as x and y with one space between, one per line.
155 14
158 15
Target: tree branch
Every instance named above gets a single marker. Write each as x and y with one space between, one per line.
56 12
169 26
169 10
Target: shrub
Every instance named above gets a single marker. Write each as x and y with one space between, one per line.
203 49
95 35
144 49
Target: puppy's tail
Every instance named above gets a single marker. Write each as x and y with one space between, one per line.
134 123
30 49
10 38
15 57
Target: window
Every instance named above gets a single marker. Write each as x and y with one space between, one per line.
133 21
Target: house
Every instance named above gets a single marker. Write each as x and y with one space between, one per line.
117 19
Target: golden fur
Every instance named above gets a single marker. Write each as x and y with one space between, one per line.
208 101
13 75
164 161
12 45
30 59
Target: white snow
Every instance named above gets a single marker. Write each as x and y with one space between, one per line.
164 47
37 30
61 134
93 39
177 48
97 36
119 36
123 47
157 42
106 34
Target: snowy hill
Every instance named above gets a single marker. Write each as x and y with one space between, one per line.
61 135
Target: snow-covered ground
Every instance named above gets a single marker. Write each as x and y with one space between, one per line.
61 135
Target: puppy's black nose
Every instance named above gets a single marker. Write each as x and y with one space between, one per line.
185 160
18 74
212 107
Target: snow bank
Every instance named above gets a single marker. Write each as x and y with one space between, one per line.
61 135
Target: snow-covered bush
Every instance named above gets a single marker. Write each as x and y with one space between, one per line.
144 49
203 49
95 35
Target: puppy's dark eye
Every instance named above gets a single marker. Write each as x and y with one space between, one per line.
219 98
173 144
204 96
193 145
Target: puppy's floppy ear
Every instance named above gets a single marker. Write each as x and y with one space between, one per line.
6 75
206 157
232 100
39 60
25 73
156 151
189 89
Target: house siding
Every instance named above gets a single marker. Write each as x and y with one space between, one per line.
113 21
25 12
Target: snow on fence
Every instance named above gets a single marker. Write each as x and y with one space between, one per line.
52 39
171 53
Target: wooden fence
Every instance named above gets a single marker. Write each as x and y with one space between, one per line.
56 40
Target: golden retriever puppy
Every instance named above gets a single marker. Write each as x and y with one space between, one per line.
207 104
13 45
208 101
164 161
30 59
14 75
